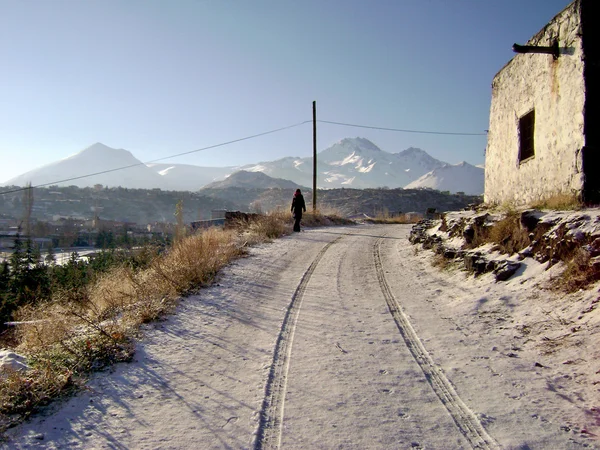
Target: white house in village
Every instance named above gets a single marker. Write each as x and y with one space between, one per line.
543 136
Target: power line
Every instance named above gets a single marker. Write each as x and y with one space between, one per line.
401 130
156 160
230 142
240 140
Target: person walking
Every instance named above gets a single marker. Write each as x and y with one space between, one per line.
298 206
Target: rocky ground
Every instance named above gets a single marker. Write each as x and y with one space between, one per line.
488 241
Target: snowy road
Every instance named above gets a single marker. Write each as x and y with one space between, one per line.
332 338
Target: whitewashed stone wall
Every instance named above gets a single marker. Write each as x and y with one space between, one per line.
555 88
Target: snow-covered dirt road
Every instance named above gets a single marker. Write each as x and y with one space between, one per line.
331 338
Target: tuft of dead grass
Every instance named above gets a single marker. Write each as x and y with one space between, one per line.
324 216
440 262
578 274
269 226
396 219
561 202
508 235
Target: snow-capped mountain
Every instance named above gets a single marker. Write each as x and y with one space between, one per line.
462 177
352 163
120 168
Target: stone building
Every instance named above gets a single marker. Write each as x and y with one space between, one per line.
543 137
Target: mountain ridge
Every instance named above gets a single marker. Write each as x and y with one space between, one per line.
461 177
349 163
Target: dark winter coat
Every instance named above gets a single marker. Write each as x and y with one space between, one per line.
298 205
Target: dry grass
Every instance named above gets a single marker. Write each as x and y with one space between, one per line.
78 332
324 216
578 274
440 262
508 235
85 330
22 393
398 218
561 202
270 226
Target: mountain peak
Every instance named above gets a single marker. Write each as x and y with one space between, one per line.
98 146
100 150
412 151
360 143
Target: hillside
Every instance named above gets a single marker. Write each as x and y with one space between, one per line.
348 202
143 206
252 180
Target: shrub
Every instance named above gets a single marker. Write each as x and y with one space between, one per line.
95 310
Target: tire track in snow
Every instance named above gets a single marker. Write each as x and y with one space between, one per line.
271 416
466 421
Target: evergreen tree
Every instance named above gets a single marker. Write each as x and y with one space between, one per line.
51 256
105 239
72 276
4 276
29 258
37 255
17 258
29 281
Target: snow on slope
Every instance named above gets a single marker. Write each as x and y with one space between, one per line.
94 159
187 177
462 177
298 170
358 163
351 163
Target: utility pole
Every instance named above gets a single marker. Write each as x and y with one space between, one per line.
314 196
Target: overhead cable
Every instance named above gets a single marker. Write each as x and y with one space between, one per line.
240 140
158 159
401 130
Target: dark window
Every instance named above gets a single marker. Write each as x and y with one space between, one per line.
526 132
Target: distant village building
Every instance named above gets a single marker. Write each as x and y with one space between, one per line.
544 131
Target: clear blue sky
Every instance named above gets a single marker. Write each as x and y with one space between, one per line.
160 77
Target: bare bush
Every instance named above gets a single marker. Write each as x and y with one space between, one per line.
83 329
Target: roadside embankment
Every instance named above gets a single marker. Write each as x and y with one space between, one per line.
497 242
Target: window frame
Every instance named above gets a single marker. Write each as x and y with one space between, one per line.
527 136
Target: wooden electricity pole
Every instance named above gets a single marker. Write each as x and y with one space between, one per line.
314 196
